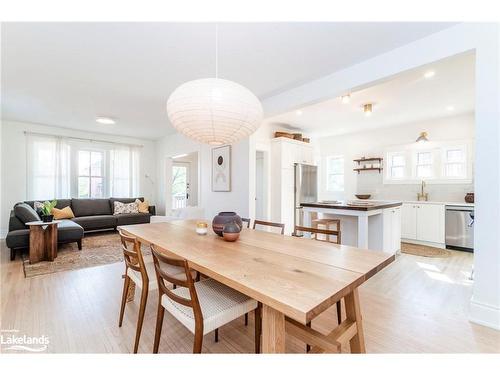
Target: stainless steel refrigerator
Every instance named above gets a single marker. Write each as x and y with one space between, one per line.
306 188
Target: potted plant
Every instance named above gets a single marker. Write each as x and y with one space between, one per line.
47 207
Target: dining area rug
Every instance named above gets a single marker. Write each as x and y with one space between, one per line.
97 249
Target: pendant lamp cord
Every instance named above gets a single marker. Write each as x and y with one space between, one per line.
216 50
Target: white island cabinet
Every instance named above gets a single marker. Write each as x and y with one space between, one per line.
375 227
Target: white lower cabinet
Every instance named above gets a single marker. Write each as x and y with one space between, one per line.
423 222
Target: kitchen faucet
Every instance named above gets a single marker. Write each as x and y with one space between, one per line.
422 196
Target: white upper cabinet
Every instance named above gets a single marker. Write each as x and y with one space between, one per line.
289 151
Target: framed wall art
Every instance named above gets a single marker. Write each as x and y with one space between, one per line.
221 168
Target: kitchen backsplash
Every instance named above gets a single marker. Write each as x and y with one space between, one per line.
371 183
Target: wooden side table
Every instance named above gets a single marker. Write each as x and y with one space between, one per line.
43 240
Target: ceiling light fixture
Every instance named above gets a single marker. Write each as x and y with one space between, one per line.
422 137
429 74
450 108
345 98
179 156
368 109
105 120
298 112
214 110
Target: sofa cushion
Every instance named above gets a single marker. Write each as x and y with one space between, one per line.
25 213
68 231
125 208
18 238
128 219
96 222
90 207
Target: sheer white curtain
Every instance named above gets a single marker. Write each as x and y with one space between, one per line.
124 171
47 167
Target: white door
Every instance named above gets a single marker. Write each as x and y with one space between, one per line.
180 185
409 221
430 223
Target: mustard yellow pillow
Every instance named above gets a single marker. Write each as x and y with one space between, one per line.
143 206
65 213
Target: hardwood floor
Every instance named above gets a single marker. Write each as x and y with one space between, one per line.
416 305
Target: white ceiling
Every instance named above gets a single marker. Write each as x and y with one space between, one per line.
405 98
66 74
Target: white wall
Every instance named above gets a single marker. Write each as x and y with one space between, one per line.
483 38
13 178
213 202
373 144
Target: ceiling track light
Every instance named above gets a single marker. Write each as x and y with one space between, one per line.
368 109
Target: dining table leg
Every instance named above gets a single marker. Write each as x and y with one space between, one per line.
273 330
353 313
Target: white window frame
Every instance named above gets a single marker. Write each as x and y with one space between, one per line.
103 175
465 163
389 158
432 165
438 150
329 160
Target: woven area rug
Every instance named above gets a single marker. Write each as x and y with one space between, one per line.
424 251
97 249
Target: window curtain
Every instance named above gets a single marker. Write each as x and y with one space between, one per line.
124 171
48 167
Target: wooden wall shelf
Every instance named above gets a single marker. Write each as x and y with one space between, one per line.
368 169
368 159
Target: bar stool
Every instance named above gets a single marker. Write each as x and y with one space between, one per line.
327 223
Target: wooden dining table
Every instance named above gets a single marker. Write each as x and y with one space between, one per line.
295 279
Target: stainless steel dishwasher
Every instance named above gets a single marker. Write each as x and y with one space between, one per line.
459 228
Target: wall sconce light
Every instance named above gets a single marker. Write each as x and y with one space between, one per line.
368 109
422 137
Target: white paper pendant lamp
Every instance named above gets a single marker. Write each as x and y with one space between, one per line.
214 111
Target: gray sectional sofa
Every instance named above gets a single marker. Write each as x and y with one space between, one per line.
90 215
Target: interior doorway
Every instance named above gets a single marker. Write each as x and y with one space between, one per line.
184 181
261 185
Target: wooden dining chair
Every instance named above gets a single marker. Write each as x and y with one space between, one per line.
136 270
141 274
269 224
247 221
327 233
203 306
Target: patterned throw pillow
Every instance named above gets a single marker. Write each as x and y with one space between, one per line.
125 208
38 206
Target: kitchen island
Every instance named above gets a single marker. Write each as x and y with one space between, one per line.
370 224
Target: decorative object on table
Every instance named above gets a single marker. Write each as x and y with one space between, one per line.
222 219
360 203
213 110
201 228
363 166
47 215
221 168
469 197
231 231
306 140
363 196
297 136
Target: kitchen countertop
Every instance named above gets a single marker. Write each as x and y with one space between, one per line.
377 205
443 203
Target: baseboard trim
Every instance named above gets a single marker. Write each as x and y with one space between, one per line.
484 314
